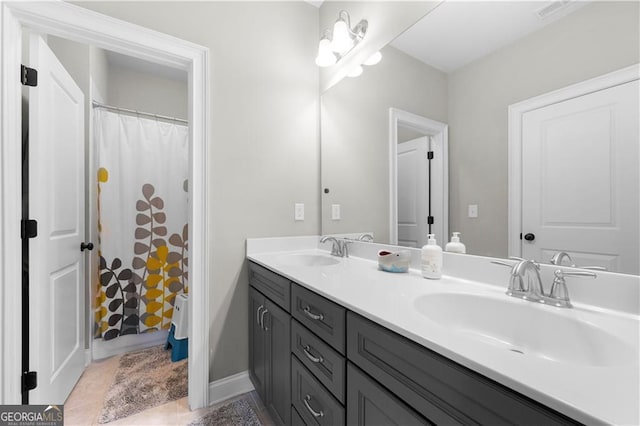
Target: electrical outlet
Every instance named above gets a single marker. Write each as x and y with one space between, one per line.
299 211
473 210
335 211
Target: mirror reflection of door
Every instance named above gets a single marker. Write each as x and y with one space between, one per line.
580 180
413 192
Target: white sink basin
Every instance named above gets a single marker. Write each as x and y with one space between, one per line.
308 260
526 328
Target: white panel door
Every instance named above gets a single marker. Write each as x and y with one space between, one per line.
413 192
580 180
56 201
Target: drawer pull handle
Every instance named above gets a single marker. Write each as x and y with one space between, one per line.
307 352
313 412
264 327
261 307
317 317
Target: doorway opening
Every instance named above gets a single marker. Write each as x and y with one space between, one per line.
80 25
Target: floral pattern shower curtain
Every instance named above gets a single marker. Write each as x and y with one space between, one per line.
142 222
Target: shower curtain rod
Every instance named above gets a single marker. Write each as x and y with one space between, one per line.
132 111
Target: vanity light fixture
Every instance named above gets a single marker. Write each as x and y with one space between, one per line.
325 57
340 40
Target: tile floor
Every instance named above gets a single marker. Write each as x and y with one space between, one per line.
84 405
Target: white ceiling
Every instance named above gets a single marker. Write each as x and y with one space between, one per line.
458 32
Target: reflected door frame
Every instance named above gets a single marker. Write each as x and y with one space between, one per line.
516 115
439 133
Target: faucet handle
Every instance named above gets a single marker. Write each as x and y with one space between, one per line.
559 292
560 274
500 262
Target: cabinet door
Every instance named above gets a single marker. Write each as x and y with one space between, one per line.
368 403
257 343
278 326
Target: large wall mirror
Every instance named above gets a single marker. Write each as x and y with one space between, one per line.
462 66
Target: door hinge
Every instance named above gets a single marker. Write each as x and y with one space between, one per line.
29 380
430 155
28 76
429 220
28 228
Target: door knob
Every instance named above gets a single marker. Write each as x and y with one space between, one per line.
529 236
88 246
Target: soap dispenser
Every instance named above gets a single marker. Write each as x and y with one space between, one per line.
455 246
432 259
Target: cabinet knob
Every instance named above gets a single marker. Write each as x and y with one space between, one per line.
529 236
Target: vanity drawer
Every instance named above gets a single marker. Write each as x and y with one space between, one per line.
326 364
325 318
272 285
314 403
438 388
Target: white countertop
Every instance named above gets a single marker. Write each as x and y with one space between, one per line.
589 394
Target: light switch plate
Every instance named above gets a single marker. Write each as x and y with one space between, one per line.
299 211
473 210
335 211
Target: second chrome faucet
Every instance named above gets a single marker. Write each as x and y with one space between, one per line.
525 283
339 247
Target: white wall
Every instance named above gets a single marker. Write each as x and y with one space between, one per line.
355 137
143 91
264 148
599 38
386 19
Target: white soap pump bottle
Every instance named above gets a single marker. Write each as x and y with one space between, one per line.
455 246
432 259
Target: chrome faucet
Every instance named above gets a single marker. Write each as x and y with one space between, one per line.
336 248
525 283
339 248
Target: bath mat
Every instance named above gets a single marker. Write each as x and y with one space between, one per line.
236 413
144 379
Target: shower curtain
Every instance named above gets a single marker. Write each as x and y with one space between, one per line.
142 222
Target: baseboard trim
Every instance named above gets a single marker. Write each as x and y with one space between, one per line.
229 387
127 343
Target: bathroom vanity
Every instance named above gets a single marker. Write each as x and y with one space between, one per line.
335 341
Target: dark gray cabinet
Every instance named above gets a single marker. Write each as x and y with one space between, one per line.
269 355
